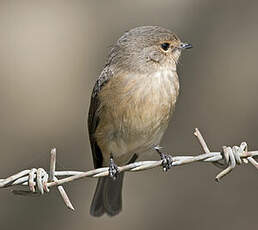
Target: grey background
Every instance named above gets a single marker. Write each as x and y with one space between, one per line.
50 54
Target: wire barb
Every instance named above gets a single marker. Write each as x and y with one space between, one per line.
39 181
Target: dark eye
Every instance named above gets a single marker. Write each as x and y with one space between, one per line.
165 46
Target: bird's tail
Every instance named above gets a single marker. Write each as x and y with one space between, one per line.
108 196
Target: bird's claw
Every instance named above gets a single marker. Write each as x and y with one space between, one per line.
167 161
113 169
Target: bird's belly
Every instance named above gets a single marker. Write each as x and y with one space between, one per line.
138 117
138 133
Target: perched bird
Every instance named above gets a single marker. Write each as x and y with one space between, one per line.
131 104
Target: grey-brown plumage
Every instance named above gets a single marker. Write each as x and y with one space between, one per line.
131 104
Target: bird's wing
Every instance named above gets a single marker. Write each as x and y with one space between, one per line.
93 117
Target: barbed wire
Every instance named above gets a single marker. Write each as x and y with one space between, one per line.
39 181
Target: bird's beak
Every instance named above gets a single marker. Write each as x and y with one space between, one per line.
185 45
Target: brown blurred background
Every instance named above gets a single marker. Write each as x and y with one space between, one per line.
50 54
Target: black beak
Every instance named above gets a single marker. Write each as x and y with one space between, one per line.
185 45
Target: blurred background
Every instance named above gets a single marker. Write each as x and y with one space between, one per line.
50 54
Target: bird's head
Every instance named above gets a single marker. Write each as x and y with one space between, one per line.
146 48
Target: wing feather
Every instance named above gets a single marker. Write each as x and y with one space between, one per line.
93 116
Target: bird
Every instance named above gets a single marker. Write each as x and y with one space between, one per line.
131 104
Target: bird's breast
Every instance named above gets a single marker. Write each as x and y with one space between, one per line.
135 108
139 101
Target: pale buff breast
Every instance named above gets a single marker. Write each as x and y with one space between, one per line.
134 114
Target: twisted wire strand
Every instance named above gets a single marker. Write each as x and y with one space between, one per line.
39 181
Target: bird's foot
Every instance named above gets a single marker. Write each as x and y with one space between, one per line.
113 169
167 161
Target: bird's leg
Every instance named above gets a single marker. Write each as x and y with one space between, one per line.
113 169
166 159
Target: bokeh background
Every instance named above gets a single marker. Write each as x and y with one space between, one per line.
50 54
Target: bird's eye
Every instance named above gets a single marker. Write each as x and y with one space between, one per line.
165 46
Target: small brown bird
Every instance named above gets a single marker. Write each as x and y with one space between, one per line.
131 105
